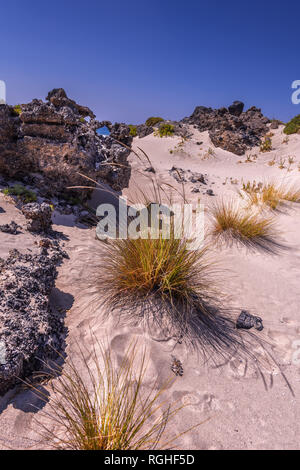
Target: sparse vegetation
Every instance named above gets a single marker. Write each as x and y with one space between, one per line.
17 109
266 145
231 219
24 194
286 140
293 126
165 130
209 154
152 121
281 165
104 407
270 194
133 131
272 162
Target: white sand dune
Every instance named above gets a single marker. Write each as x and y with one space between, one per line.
246 409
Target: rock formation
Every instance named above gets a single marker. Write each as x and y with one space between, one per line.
30 331
51 142
38 217
231 129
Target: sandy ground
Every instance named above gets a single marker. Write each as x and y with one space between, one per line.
246 410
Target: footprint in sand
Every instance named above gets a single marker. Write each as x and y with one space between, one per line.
199 401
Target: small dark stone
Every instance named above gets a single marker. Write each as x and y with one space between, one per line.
248 321
150 169
11 228
176 366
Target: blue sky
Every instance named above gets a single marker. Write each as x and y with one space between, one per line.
128 60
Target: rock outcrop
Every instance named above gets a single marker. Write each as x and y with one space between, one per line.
231 129
30 332
38 217
51 142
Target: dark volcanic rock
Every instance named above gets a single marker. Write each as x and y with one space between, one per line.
143 130
231 129
248 321
30 331
58 140
236 108
11 228
38 217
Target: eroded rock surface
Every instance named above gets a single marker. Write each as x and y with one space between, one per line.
56 140
38 217
29 330
231 129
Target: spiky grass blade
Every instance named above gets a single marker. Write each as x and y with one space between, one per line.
230 219
98 406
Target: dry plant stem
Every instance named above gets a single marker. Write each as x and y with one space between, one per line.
106 407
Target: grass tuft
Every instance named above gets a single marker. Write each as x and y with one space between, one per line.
24 194
270 194
293 126
96 405
165 130
231 219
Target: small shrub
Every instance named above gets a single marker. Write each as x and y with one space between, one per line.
18 109
281 165
286 140
293 126
133 131
24 194
266 145
166 130
152 121
270 194
272 162
231 219
210 153
102 406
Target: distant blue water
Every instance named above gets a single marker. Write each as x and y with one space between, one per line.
103 131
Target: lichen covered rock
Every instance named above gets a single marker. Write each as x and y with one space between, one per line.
29 331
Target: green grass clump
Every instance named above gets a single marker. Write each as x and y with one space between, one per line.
152 121
164 267
26 195
293 126
231 219
166 130
102 406
133 131
18 109
266 145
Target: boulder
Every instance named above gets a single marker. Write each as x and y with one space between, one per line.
231 129
236 108
30 332
38 217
